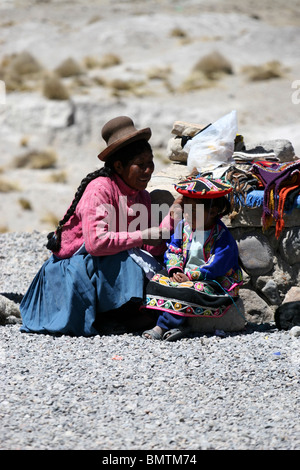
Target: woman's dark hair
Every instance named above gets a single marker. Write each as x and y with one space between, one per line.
125 155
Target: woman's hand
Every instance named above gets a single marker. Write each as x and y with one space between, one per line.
179 277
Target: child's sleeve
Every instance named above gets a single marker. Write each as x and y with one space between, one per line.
173 256
223 258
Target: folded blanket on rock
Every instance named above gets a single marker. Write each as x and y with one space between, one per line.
255 198
280 180
253 156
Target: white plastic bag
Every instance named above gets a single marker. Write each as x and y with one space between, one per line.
214 145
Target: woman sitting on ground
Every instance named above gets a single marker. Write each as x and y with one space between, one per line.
91 270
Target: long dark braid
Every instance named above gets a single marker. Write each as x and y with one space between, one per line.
54 238
125 155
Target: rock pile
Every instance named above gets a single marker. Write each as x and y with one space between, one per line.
9 311
271 269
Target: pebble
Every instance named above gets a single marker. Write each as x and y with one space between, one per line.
295 331
235 392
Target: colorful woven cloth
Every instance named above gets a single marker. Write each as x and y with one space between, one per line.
187 299
199 187
280 180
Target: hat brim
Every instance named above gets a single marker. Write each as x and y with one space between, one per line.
138 135
202 188
206 195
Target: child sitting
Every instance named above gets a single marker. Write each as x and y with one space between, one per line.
202 275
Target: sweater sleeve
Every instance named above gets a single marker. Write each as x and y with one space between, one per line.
99 224
223 258
174 254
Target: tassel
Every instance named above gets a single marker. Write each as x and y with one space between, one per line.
53 242
279 227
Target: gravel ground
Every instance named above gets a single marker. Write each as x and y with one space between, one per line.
122 392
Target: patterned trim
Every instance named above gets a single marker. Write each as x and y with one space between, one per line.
183 309
200 187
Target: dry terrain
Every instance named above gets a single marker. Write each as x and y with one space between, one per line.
69 66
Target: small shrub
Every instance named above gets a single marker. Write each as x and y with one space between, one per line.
159 73
99 81
20 71
25 204
106 61
68 68
265 71
195 81
178 33
54 89
213 65
94 19
24 141
91 62
7 186
120 87
60 177
36 160
24 64
109 60
13 81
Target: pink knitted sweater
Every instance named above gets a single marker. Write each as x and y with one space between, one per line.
106 220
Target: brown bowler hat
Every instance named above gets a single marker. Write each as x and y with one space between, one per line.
119 132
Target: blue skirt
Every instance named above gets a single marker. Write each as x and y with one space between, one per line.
66 294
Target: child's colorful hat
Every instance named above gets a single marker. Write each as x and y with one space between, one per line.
202 188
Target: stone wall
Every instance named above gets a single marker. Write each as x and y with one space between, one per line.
271 266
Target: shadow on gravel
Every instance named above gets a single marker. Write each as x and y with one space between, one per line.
13 296
128 319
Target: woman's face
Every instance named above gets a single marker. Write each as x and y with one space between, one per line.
138 172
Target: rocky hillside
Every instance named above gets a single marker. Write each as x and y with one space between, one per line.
69 67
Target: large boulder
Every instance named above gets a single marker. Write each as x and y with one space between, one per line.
9 311
282 148
256 254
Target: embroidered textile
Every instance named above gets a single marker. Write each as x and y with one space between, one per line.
201 188
187 299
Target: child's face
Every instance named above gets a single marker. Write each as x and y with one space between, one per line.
198 217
